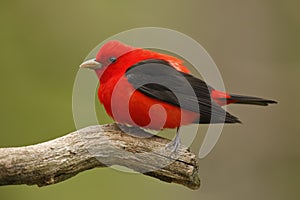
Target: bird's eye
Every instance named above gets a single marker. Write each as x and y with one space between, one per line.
112 59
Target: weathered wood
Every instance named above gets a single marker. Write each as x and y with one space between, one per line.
96 146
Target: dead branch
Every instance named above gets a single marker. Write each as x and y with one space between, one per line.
96 146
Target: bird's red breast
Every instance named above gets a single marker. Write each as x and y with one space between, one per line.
127 105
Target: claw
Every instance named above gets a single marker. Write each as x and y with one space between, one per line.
173 146
134 131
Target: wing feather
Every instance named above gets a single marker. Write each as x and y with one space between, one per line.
158 79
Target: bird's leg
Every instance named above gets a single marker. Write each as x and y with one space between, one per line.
174 144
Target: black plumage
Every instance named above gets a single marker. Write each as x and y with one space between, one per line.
158 79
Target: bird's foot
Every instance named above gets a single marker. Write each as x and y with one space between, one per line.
172 148
134 131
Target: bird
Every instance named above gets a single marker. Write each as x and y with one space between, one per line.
150 90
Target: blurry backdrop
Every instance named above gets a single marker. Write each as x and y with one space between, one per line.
255 44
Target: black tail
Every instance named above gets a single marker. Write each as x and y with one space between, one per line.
240 99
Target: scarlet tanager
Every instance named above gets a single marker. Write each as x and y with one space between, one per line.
139 79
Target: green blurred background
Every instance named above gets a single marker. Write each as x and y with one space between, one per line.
255 44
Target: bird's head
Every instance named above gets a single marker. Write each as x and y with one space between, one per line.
108 54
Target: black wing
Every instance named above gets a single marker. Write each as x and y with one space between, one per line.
157 79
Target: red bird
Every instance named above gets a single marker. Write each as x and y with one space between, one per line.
143 88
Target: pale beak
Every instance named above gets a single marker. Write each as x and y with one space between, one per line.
91 64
